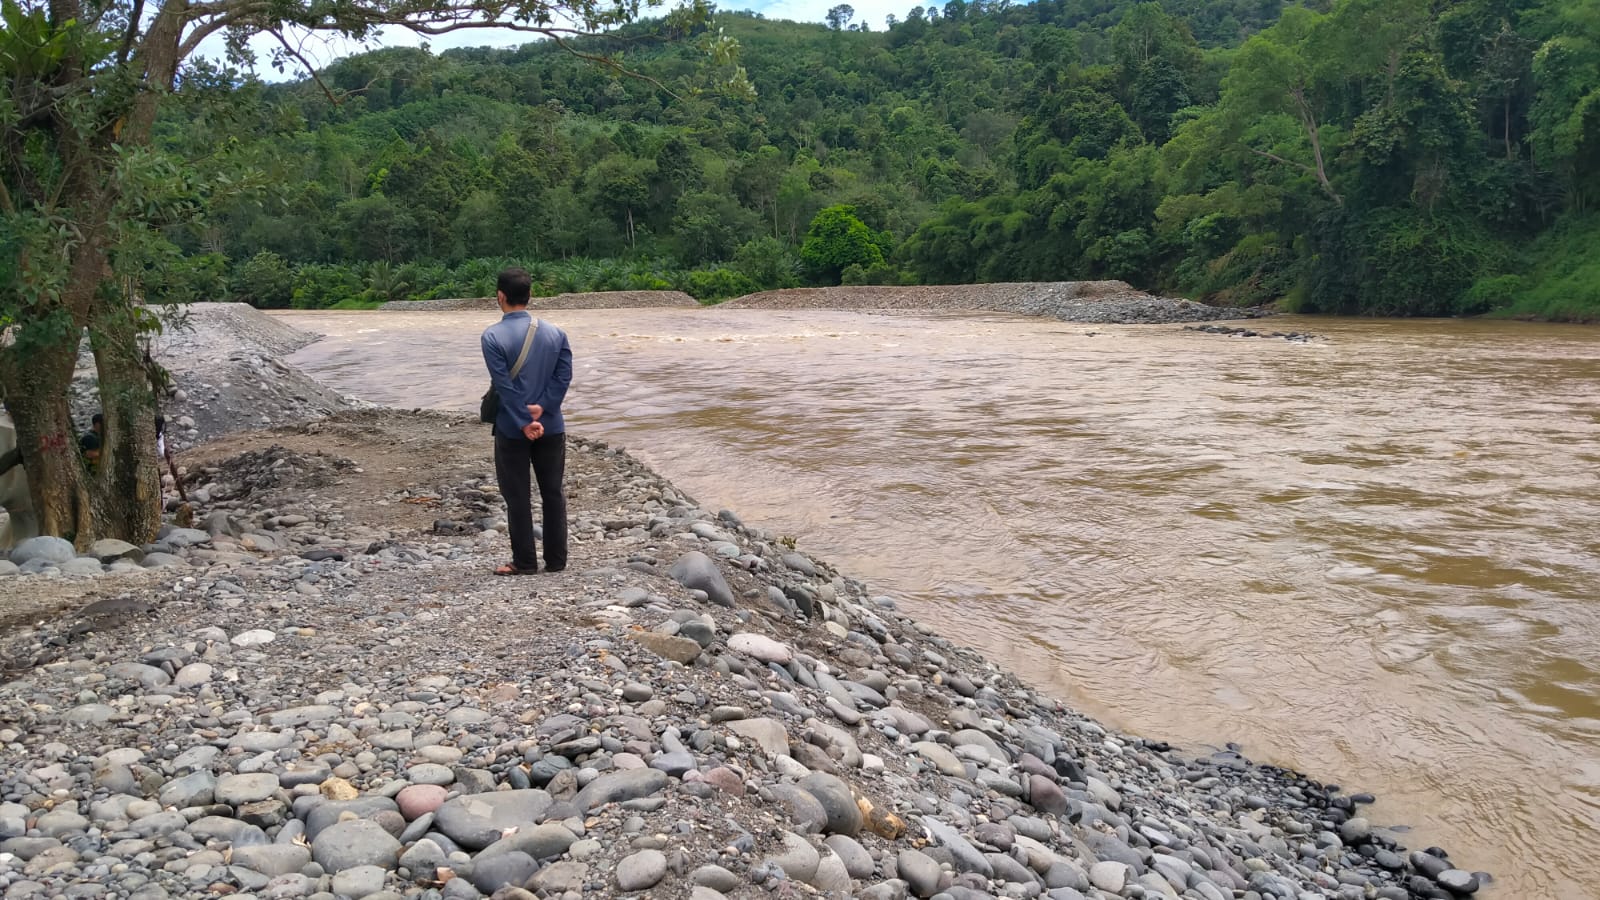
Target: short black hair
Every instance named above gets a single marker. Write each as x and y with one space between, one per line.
161 424
89 441
98 419
516 284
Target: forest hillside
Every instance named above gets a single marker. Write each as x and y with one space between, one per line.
1379 157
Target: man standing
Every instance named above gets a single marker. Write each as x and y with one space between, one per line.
91 441
529 432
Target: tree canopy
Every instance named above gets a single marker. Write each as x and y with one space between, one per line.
1236 152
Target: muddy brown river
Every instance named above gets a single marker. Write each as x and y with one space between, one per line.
1374 558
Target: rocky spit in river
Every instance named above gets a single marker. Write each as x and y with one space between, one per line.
1094 302
594 300
324 693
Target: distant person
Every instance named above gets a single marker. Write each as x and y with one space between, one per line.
91 442
163 452
530 367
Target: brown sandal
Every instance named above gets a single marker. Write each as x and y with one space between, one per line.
511 569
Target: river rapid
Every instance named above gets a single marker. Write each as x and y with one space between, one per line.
1374 557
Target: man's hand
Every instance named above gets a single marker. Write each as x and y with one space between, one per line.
534 430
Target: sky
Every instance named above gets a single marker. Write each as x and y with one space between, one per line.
321 50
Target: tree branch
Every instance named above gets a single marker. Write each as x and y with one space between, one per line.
1278 159
310 70
133 31
201 32
449 26
10 460
438 24
614 66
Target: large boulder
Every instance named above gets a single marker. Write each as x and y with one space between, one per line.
619 787
51 550
477 820
696 571
359 842
109 550
837 800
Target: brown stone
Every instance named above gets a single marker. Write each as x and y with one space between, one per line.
338 789
666 646
725 780
417 800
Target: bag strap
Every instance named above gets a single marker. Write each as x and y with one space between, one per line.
527 342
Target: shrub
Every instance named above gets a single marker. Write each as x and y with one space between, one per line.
717 284
265 281
881 273
321 286
768 263
187 279
1490 294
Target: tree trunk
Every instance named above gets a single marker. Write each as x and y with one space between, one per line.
127 487
1507 128
1308 120
122 498
36 394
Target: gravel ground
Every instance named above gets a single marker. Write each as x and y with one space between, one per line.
317 689
1098 302
594 300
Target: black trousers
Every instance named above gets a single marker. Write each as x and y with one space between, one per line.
547 459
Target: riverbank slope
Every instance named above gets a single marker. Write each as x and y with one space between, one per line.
332 695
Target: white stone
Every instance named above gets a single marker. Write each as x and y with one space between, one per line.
255 637
192 675
1109 876
760 647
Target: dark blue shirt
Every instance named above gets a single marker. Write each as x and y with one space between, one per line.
544 377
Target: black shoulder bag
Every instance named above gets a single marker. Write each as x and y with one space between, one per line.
489 408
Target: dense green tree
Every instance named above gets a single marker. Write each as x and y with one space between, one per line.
265 280
836 240
1566 115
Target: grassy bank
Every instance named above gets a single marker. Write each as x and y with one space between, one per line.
1562 283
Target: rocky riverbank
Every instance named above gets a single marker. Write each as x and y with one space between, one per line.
591 300
1097 302
327 694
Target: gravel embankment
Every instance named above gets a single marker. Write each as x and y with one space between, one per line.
1098 302
322 692
593 300
226 363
